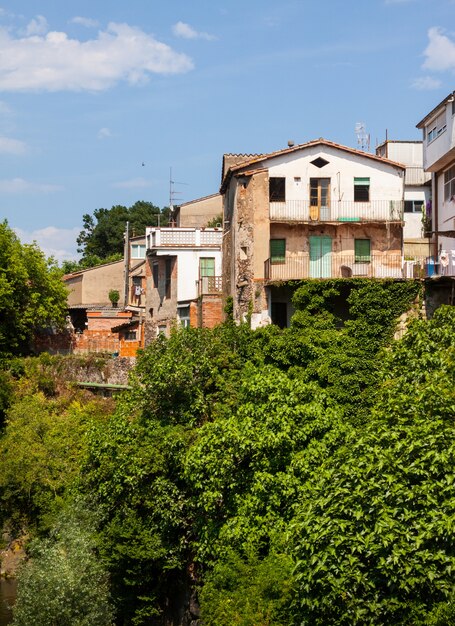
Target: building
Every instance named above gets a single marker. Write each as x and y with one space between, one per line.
200 213
417 193
438 128
316 210
184 283
100 325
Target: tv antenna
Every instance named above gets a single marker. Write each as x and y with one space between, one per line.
363 138
172 193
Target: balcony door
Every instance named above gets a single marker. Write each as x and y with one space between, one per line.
320 257
319 199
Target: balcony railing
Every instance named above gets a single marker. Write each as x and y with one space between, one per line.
210 285
299 266
416 176
337 211
183 237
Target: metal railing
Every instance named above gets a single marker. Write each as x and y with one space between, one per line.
416 176
337 211
298 266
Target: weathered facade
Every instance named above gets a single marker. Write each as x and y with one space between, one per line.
317 210
183 279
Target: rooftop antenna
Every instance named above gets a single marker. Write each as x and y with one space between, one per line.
172 193
363 138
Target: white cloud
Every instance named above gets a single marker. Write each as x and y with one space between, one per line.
57 242
133 183
185 31
12 146
37 26
440 52
19 185
84 21
55 62
104 133
426 83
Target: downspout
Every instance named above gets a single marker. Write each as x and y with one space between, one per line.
436 217
126 255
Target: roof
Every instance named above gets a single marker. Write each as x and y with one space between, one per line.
254 159
90 269
431 114
213 195
129 324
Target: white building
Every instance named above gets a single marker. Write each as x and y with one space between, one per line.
417 192
438 129
183 278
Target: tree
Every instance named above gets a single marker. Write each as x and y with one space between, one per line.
32 295
373 539
102 234
65 582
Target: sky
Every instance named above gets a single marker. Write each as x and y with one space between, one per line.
99 99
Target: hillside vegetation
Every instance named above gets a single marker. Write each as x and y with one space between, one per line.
253 478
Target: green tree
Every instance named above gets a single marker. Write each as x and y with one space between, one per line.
65 582
102 234
373 539
32 295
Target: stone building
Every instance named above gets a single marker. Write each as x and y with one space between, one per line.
316 210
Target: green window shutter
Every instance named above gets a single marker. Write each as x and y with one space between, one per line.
362 181
207 266
362 249
277 250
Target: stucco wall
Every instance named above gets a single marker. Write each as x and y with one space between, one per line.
199 212
92 286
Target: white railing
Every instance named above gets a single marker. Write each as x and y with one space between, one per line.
337 211
183 237
416 176
210 285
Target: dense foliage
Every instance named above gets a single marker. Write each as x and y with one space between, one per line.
32 295
102 235
270 478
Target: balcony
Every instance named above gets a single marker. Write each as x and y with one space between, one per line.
183 237
210 285
416 176
337 211
300 266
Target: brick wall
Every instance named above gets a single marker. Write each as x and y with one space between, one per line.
211 311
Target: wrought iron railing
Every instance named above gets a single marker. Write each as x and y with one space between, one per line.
298 266
337 211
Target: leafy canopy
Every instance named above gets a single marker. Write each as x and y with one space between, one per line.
32 295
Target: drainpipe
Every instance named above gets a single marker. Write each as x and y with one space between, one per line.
436 217
126 256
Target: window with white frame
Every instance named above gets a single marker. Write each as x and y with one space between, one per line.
449 184
436 127
138 251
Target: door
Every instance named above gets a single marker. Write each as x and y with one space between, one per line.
319 198
320 257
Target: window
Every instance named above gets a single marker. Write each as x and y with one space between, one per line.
362 250
437 127
319 162
137 285
206 266
277 250
277 190
138 251
361 189
130 335
168 277
156 275
449 183
183 313
413 206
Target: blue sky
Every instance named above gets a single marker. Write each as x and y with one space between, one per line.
90 90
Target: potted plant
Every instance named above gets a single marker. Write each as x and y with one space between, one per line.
114 297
